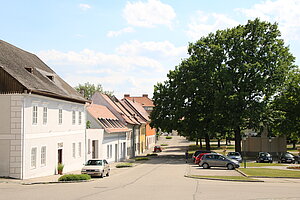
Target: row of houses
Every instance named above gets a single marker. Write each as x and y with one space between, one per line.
44 121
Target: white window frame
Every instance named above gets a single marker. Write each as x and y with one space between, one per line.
33 157
34 114
79 149
110 153
74 150
45 115
60 116
107 151
43 155
79 118
73 117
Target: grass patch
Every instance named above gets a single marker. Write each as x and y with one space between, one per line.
168 137
228 178
265 172
74 177
123 165
141 158
251 164
164 145
152 154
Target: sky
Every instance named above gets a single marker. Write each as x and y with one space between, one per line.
130 46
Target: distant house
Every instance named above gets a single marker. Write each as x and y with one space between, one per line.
42 119
114 106
112 144
148 105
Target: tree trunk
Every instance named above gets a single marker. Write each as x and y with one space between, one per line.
207 142
201 143
219 143
237 138
226 141
197 143
294 144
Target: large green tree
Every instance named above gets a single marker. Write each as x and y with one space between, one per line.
89 89
226 83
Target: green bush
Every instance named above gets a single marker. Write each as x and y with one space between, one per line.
74 177
164 145
168 137
123 165
141 158
152 154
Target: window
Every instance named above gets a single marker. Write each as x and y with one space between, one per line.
107 151
74 150
110 153
60 116
73 117
79 118
33 157
89 146
43 155
79 149
34 115
45 115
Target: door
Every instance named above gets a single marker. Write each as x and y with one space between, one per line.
95 149
59 159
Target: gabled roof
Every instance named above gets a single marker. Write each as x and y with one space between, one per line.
136 110
114 107
144 100
34 75
106 119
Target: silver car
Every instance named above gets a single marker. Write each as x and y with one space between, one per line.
218 160
235 155
96 167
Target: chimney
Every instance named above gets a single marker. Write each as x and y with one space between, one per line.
145 95
126 95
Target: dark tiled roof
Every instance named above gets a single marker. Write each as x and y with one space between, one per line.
16 62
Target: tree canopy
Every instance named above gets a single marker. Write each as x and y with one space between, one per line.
89 89
226 83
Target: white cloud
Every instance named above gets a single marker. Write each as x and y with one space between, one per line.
120 32
164 48
149 14
84 7
205 23
90 58
285 12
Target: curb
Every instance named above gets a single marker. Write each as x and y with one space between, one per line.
219 179
241 172
55 182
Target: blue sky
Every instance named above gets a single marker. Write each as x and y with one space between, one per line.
129 46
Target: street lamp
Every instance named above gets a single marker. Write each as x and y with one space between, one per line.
244 151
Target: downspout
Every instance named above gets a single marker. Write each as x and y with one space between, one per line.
133 141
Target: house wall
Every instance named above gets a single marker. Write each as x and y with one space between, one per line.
150 136
142 138
116 142
96 135
11 129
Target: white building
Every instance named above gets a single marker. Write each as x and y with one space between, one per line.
107 136
42 119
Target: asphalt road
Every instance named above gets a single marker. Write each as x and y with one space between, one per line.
160 178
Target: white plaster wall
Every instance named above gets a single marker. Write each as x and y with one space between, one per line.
113 139
94 134
51 134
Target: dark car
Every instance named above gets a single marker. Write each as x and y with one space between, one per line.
264 157
218 160
199 152
286 158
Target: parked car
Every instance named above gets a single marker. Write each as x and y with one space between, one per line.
199 157
199 152
235 155
157 148
218 160
264 157
286 158
96 167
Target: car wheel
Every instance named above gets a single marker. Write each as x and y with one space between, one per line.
293 162
205 166
107 174
271 161
230 166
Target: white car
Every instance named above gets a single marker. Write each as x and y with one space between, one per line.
96 167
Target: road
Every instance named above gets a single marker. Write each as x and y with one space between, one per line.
158 178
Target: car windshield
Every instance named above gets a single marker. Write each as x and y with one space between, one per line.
288 155
233 154
94 162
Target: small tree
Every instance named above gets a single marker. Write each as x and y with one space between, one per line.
89 89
